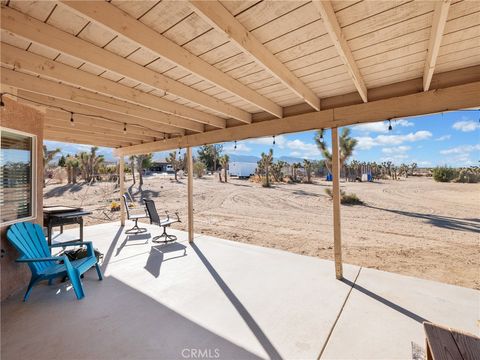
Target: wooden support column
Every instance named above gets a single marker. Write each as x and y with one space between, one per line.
122 189
190 193
337 234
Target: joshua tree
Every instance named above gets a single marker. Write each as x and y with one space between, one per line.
143 161
347 145
413 167
295 167
90 163
277 170
132 167
264 165
176 163
72 164
48 156
224 160
308 166
210 154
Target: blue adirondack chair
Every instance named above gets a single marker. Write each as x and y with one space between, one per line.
30 242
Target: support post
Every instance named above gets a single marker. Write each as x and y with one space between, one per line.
337 235
190 193
121 174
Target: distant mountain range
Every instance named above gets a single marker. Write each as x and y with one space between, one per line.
254 159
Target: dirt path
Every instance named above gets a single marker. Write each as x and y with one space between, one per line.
415 226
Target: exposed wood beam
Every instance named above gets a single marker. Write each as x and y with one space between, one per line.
71 138
447 99
216 15
89 122
101 116
107 133
47 35
121 173
440 16
61 91
337 229
21 59
127 26
52 128
332 26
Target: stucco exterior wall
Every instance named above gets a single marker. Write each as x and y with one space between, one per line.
15 276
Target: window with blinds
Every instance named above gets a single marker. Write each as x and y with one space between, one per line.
16 176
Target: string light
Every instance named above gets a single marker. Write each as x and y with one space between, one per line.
1 101
72 122
390 125
273 139
321 134
179 151
124 128
235 147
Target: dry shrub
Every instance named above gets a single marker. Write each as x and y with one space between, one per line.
59 175
346 199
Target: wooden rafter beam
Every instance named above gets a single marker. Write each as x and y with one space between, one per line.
62 91
38 32
447 99
76 131
216 15
329 19
440 16
25 60
100 116
80 139
123 24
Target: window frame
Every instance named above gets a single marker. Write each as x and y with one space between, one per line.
33 199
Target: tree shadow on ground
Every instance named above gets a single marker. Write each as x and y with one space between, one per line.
137 193
60 190
445 222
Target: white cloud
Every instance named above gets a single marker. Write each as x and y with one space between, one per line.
382 127
241 148
443 138
367 142
302 149
466 125
462 149
280 141
396 150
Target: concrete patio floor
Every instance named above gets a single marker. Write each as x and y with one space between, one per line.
222 299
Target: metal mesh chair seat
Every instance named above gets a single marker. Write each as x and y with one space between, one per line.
163 222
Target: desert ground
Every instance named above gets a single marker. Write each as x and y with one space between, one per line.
412 226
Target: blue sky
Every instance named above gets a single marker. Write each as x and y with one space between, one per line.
450 139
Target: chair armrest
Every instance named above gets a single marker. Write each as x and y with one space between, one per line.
178 217
70 244
51 258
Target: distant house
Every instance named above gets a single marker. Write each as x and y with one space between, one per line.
161 166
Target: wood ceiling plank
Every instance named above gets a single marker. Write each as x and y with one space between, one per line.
222 20
440 15
330 22
49 36
127 26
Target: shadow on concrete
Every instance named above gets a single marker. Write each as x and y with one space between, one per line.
133 238
445 222
157 256
113 321
113 244
246 316
384 301
60 190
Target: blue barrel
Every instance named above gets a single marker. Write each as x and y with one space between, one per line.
329 177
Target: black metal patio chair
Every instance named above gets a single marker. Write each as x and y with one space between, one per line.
134 217
165 222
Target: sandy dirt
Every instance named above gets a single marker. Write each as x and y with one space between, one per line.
412 226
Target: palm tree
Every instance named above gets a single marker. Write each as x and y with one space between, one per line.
48 156
264 164
224 162
143 161
347 145
172 159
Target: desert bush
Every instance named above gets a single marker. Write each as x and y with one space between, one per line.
115 206
468 175
347 199
199 169
444 174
